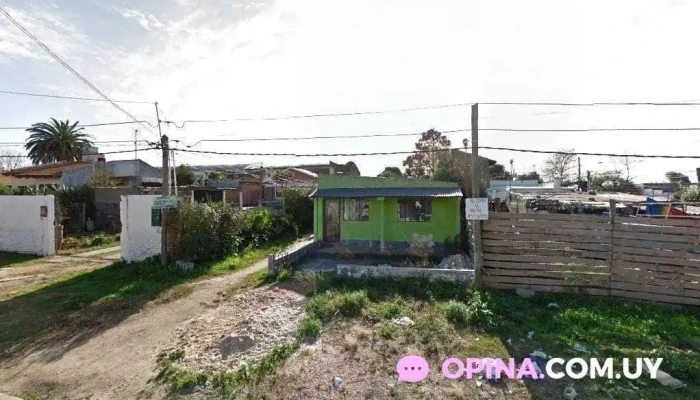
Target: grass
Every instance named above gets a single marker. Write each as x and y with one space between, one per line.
447 319
87 241
85 304
13 259
309 328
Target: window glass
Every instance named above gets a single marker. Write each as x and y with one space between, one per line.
415 210
356 209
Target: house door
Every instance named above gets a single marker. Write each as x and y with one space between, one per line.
331 220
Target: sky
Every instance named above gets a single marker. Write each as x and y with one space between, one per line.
223 59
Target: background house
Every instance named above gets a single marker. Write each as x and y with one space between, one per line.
383 214
129 173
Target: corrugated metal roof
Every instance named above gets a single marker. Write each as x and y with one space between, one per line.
387 192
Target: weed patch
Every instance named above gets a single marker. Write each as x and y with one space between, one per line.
309 328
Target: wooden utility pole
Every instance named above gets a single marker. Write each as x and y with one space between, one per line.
164 212
580 183
476 192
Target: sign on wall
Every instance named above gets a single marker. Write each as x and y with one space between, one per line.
165 202
477 208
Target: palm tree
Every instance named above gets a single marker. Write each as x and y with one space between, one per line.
56 141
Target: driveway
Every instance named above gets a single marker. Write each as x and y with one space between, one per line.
23 277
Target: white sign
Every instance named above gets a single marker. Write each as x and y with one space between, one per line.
165 202
477 208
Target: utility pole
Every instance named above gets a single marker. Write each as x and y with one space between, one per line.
588 180
164 212
159 121
136 142
172 155
579 173
476 192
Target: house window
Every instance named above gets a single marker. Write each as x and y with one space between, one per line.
356 209
415 210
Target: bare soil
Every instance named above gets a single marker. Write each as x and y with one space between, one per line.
242 329
116 363
366 365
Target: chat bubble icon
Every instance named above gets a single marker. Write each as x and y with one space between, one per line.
412 368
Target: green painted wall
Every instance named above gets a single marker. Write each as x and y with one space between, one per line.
318 219
339 181
444 223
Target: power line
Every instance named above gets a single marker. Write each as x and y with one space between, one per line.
69 68
56 96
93 154
592 104
298 138
24 128
587 129
434 151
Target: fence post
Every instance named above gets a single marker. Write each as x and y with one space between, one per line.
271 268
612 213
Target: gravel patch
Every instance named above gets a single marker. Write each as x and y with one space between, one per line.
242 329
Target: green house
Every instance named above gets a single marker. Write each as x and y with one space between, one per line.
384 214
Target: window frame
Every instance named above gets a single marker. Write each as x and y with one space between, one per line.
427 201
360 218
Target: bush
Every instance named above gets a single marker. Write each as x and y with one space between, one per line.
458 313
347 304
300 208
204 232
309 328
479 310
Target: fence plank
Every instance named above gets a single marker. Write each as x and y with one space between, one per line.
659 237
656 260
547 231
545 238
543 259
656 267
552 289
549 217
546 245
654 280
666 230
634 287
550 224
587 278
655 297
657 252
686 222
657 274
546 267
652 244
601 255
544 281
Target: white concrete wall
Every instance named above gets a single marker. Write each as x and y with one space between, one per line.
22 229
139 240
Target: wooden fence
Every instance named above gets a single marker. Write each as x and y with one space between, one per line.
639 258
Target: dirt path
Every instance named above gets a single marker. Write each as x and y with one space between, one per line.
31 274
118 363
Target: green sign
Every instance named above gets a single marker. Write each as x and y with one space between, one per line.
156 217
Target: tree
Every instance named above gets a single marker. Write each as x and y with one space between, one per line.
184 174
498 171
431 148
677 178
446 172
390 172
11 159
612 181
559 165
214 175
103 178
530 176
56 141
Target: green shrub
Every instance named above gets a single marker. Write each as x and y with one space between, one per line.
300 208
457 312
479 310
309 328
387 310
387 330
347 304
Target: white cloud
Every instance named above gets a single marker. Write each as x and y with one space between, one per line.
63 37
147 21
